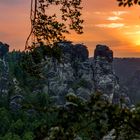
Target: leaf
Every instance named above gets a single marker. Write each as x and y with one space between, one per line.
135 1
121 3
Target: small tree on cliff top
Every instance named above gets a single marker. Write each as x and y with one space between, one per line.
49 28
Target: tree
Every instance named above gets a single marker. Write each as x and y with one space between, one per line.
49 28
128 2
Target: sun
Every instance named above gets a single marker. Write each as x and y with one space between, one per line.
134 37
138 41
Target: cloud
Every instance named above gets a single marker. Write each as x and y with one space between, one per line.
99 13
119 13
114 18
132 33
111 25
137 26
116 15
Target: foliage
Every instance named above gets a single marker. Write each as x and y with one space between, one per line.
128 2
51 28
22 124
48 30
40 119
33 61
81 83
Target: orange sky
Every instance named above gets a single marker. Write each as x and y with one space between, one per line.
105 23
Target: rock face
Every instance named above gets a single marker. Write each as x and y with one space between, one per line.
9 87
4 48
103 51
105 80
81 76
74 74
4 77
4 69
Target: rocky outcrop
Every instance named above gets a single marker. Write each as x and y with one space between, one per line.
103 51
4 69
78 51
4 49
4 78
9 85
74 74
105 79
79 75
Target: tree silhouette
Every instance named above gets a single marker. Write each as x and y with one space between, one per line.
128 2
50 29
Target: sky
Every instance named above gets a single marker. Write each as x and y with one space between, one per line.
104 23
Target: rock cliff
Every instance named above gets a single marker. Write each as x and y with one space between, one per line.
75 74
81 76
4 69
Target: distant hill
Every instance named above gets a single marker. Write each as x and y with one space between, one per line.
128 71
125 68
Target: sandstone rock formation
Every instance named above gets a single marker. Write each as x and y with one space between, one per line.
76 73
106 81
4 48
81 76
4 69
73 74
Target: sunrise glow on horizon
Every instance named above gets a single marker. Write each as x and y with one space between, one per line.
104 23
